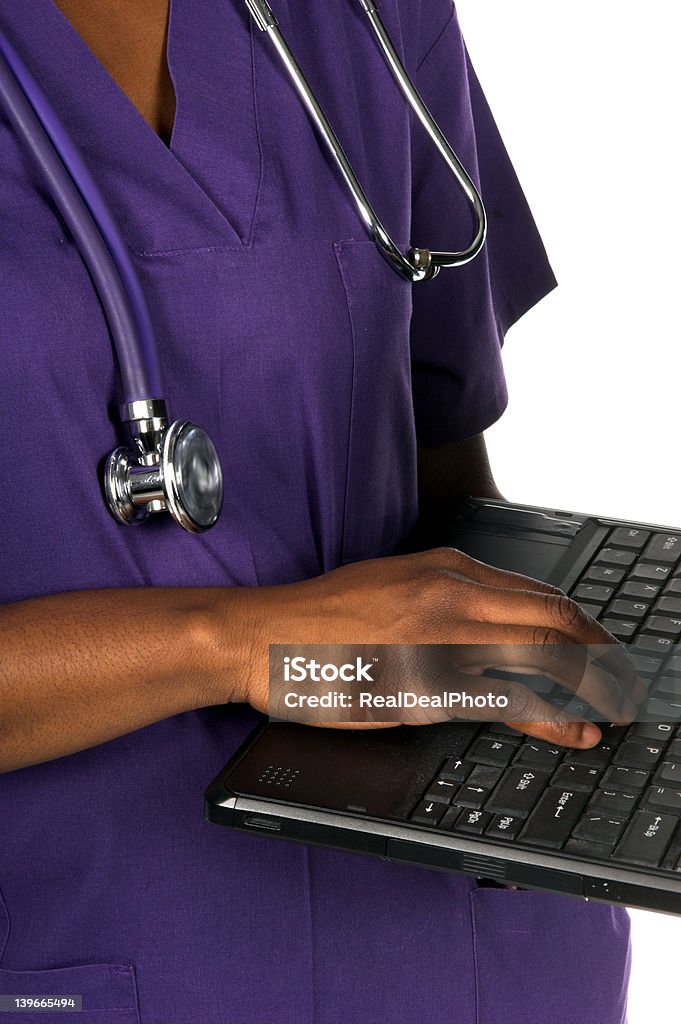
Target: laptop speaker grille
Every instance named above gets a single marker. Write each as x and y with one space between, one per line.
487 867
276 775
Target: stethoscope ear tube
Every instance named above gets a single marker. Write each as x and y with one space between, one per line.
174 468
417 264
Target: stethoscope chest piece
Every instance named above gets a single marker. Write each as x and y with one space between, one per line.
175 469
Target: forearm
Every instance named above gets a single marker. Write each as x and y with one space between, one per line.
82 668
453 471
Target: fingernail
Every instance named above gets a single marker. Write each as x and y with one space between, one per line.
591 734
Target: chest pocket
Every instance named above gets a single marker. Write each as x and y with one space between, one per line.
101 993
380 498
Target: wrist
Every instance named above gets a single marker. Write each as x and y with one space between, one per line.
228 644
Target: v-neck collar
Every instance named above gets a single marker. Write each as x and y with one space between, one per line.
201 189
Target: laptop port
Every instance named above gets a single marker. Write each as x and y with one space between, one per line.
268 824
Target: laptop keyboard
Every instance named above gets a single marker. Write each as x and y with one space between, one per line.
621 800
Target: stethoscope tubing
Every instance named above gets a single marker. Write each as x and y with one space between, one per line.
175 467
97 236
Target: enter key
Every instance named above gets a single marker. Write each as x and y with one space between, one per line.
554 817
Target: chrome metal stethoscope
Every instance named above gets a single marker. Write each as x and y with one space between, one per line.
168 466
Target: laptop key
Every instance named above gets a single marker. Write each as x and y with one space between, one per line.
645 664
500 729
674 586
663 625
472 822
484 775
639 591
518 791
450 816
428 813
667 688
491 751
589 851
504 826
655 646
576 776
669 606
592 593
656 710
539 755
473 796
594 757
650 573
664 548
616 557
628 537
620 630
662 798
612 804
633 610
612 734
671 857
604 574
660 731
442 791
638 755
597 828
625 780
456 770
668 772
674 751
554 818
647 838
673 666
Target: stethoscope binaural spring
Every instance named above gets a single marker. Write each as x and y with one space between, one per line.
175 467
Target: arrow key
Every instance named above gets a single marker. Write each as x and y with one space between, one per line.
456 770
473 796
442 791
428 812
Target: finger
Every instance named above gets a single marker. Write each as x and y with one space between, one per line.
527 712
567 615
557 612
582 735
455 561
492 700
545 652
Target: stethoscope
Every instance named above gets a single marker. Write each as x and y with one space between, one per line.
175 467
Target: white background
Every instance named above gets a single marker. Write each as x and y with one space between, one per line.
586 95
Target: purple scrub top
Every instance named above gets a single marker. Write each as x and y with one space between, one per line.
316 370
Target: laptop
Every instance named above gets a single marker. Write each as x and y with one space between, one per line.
481 798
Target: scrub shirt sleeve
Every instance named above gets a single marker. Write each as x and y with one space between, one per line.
461 317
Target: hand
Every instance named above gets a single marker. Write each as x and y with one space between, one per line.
442 597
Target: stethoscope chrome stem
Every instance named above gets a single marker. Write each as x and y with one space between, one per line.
418 264
169 468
